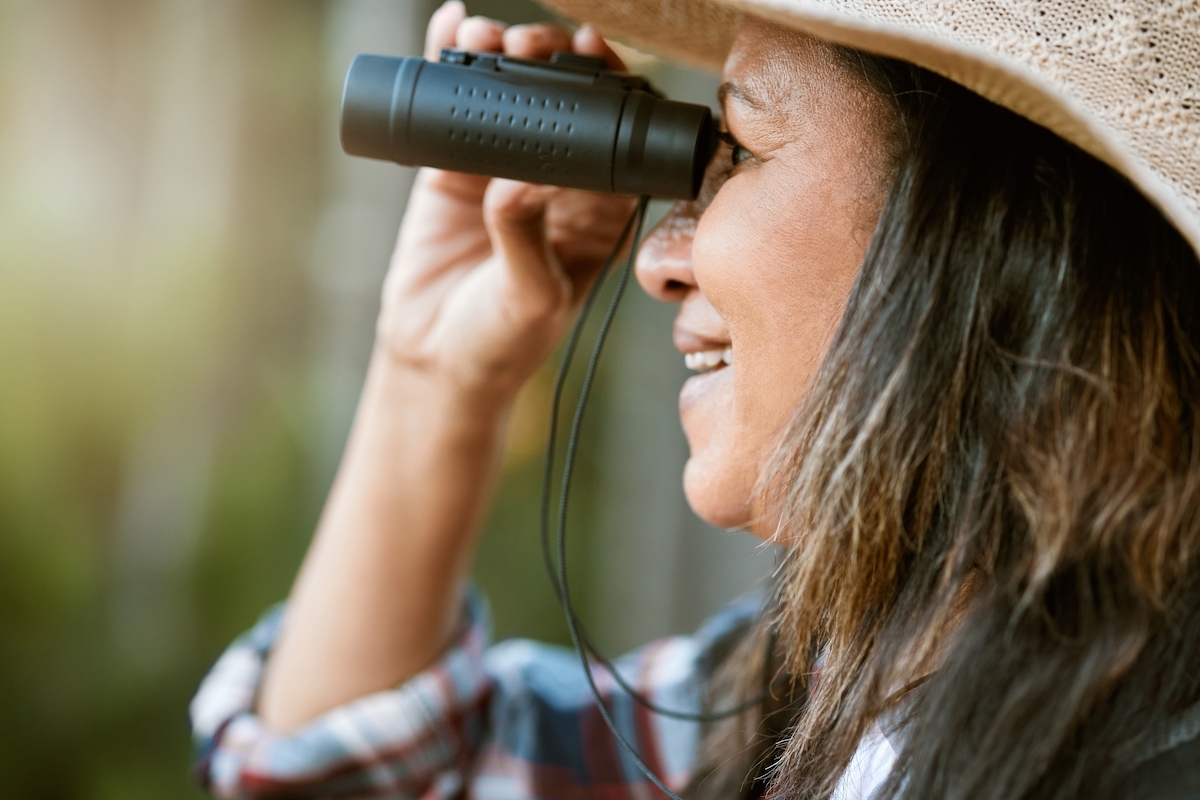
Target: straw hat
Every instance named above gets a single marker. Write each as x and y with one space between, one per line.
1118 78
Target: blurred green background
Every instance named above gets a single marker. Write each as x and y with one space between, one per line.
189 271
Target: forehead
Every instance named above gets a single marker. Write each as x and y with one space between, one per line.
773 68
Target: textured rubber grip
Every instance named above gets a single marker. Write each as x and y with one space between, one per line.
526 123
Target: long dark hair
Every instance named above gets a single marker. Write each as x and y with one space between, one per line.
994 479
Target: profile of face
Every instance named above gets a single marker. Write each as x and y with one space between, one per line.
762 263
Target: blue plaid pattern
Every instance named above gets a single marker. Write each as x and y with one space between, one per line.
511 720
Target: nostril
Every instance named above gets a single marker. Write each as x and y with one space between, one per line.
674 285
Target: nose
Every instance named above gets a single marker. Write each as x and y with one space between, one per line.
664 262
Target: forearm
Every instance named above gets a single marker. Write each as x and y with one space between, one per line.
380 590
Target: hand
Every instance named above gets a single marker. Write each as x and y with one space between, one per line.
488 273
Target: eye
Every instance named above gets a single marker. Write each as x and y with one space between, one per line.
737 153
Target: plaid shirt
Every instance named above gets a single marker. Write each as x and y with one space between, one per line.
516 720
513 720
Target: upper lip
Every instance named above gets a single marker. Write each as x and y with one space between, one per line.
688 341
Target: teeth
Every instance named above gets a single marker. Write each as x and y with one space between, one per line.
705 360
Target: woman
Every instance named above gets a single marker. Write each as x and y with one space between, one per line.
963 391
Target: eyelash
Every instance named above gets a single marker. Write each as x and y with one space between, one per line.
734 147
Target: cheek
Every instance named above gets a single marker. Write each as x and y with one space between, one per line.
733 243
775 244
776 255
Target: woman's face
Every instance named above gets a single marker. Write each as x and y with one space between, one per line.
763 261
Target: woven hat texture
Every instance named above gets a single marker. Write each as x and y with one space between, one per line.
1118 78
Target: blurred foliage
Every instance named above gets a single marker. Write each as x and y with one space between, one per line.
161 417
159 478
157 191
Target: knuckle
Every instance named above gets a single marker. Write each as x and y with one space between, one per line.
515 205
482 24
539 38
479 32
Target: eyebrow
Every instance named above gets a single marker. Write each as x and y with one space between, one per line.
738 92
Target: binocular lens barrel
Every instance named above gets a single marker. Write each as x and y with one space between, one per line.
539 123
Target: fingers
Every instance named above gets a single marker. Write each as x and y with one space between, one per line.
451 27
443 27
536 41
482 34
542 40
588 41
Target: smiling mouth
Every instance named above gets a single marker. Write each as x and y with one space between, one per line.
708 360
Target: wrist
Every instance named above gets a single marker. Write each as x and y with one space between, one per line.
410 431
441 402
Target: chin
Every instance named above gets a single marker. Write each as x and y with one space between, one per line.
719 498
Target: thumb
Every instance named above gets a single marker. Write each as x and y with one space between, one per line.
514 214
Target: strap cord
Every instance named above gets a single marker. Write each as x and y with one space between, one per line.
556 564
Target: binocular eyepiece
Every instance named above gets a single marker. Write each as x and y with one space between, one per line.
569 122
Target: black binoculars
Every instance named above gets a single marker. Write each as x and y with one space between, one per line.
569 122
